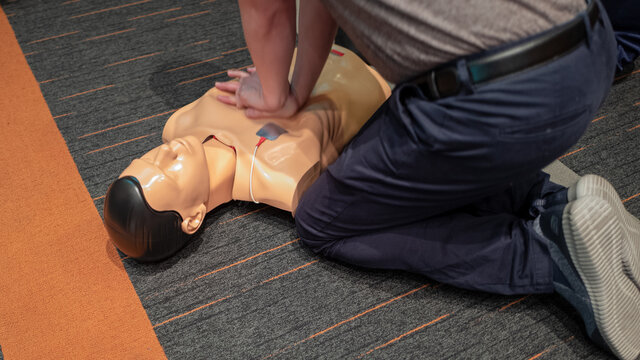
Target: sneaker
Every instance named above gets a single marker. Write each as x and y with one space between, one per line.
603 241
593 185
566 279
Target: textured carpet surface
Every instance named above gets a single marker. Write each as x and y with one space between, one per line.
112 73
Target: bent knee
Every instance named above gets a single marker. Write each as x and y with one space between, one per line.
311 233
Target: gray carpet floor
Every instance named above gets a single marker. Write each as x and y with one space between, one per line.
112 73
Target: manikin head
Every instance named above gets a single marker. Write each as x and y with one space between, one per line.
159 200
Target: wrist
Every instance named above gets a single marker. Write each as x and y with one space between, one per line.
275 100
298 97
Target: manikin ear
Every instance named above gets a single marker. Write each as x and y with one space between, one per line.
192 223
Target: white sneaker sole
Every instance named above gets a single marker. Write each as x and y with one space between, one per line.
599 244
593 185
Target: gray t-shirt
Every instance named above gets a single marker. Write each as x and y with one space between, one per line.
404 38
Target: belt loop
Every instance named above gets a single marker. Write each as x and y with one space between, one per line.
464 77
587 23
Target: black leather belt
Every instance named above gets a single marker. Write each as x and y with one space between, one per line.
444 80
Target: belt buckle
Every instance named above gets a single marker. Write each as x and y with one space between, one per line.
443 82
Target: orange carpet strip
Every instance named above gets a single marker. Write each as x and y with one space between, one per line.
64 292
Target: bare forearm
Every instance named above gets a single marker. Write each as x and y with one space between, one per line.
317 30
270 32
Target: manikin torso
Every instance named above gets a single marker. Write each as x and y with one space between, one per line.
347 93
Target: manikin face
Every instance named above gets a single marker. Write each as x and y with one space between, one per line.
175 176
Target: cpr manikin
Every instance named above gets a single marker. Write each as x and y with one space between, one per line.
212 153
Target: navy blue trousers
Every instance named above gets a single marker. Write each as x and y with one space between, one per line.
448 188
625 19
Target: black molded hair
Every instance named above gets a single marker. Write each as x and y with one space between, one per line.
138 230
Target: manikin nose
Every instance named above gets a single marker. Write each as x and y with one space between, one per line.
165 155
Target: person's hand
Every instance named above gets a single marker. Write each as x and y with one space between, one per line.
246 93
